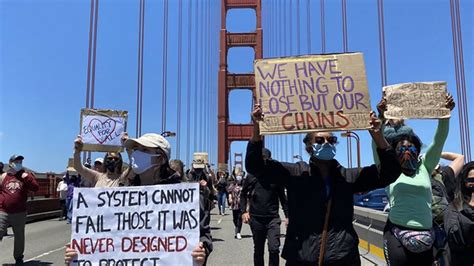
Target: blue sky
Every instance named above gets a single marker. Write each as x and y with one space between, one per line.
43 66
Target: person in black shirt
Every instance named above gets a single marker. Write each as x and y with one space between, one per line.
262 213
312 188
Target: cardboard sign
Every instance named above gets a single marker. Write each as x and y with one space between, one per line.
200 159
149 225
417 100
101 130
312 93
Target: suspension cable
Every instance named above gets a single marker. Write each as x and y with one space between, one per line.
165 65
141 25
188 84
178 98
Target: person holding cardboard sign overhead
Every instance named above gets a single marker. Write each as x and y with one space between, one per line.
149 160
408 233
111 175
320 194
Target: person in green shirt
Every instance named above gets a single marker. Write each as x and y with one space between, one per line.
408 236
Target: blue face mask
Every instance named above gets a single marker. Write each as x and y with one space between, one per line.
324 151
17 166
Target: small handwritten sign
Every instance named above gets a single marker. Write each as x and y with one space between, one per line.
149 225
101 130
312 93
417 100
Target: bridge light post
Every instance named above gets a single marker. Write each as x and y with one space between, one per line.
351 134
168 134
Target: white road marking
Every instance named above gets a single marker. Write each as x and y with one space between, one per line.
46 253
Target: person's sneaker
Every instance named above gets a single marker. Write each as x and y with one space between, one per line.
238 236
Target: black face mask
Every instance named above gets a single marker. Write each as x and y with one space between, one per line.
469 180
110 165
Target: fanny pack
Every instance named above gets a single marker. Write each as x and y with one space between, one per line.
414 241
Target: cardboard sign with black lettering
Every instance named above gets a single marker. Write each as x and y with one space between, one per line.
149 225
312 93
416 100
101 130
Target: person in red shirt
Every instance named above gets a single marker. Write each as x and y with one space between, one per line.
14 187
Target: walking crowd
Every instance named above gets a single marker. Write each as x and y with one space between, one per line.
430 222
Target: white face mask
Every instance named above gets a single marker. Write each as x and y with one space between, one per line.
141 161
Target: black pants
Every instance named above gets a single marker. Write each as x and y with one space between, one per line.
62 203
265 228
397 255
237 215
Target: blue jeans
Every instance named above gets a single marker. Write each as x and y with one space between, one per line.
69 209
221 198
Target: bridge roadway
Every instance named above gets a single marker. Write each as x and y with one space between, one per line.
45 244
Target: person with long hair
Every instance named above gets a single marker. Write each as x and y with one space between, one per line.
459 219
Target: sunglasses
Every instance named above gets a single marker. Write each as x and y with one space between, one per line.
411 149
321 140
113 158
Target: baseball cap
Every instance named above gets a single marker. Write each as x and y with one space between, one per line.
15 157
150 140
99 160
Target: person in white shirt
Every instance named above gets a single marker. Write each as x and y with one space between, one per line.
62 190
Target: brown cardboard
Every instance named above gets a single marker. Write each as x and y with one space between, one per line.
416 100
312 93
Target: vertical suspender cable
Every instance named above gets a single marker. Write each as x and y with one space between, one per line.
308 25
290 10
298 50
460 82
195 124
94 52
141 32
178 98
344 47
165 65
383 65
463 84
188 84
323 29
89 57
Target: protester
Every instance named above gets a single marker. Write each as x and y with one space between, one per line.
443 183
1 168
150 164
99 165
14 187
178 166
322 188
62 190
72 182
200 172
111 175
221 187
262 213
234 190
408 234
459 219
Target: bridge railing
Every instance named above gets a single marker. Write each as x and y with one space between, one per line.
369 225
